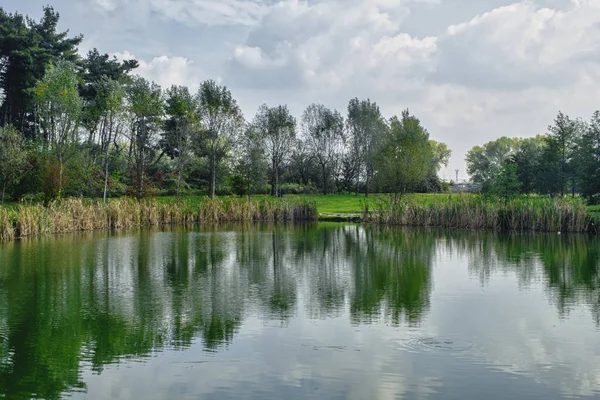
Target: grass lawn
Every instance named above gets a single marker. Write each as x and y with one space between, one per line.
350 203
336 203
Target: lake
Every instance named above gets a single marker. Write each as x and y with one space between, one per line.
327 311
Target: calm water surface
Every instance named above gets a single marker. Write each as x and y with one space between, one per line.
294 312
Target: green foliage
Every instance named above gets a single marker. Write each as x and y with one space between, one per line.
565 160
366 127
221 123
528 159
276 128
323 131
405 157
432 182
239 185
145 101
13 158
507 184
484 163
250 164
587 159
59 105
52 179
102 77
179 128
557 166
27 49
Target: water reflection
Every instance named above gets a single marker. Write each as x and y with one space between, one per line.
68 304
568 265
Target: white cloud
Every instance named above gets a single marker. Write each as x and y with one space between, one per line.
522 45
165 71
328 45
210 12
253 57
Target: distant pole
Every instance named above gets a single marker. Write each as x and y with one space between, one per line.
456 175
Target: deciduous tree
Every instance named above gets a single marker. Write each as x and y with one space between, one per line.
27 49
405 156
13 157
58 107
365 127
221 123
179 128
146 107
484 162
323 131
277 128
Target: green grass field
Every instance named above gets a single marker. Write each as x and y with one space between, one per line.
337 203
350 203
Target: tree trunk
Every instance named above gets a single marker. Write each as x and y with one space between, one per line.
60 176
179 160
276 182
141 191
141 176
213 178
357 177
324 178
273 181
106 142
105 174
179 181
3 190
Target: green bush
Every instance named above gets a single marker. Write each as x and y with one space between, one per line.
239 185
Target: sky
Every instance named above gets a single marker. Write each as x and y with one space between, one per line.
471 70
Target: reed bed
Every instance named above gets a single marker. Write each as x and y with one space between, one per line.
79 215
539 214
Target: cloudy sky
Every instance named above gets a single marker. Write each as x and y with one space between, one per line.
471 70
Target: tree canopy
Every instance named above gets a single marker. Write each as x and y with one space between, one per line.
87 125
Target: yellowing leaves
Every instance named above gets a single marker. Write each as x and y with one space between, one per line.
40 89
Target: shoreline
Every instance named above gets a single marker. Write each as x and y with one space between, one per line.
79 215
466 213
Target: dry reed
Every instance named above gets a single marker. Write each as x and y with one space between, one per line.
540 214
79 215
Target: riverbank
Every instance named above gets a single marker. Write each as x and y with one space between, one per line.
80 215
538 214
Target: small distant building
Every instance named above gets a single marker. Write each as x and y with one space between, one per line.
465 187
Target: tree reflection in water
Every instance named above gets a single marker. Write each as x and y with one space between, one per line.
95 299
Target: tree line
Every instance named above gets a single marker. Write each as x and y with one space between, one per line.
565 160
88 126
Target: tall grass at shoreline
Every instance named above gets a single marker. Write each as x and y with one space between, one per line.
539 214
79 215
